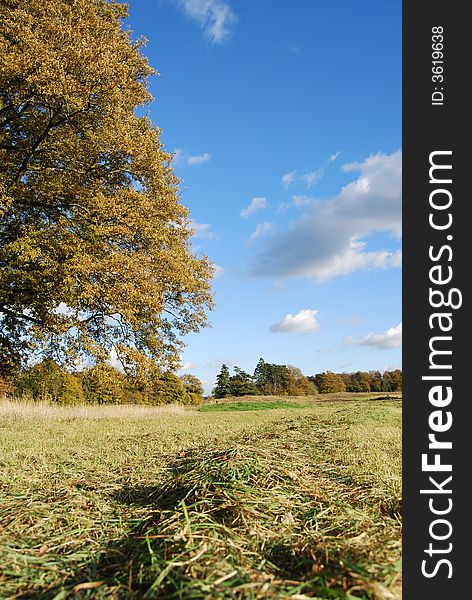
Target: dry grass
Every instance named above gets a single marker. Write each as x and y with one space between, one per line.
298 503
27 409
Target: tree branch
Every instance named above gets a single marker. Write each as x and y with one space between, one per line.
15 315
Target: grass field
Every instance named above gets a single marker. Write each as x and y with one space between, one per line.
128 502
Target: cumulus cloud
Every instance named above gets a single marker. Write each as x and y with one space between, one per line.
353 259
215 17
184 159
330 240
392 338
259 231
256 204
303 322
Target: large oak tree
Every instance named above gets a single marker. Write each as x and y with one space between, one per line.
95 248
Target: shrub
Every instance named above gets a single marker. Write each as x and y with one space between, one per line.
194 399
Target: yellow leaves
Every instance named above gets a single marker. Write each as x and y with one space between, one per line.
90 209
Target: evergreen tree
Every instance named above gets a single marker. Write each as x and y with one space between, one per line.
223 383
242 384
260 373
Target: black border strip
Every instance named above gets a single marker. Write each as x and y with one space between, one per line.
436 124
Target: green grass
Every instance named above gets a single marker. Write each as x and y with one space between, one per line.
252 405
280 503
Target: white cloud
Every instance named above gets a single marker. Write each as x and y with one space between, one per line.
198 159
114 362
350 320
214 16
353 259
301 200
330 240
256 204
187 367
312 177
288 178
219 270
298 201
201 230
309 178
184 159
303 322
392 338
334 156
217 362
63 309
260 230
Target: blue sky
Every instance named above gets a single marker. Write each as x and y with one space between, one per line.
285 121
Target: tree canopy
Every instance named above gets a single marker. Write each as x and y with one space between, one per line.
95 251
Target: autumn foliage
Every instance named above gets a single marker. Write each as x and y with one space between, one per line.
95 250
287 380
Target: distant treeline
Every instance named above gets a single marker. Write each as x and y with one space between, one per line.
273 379
101 384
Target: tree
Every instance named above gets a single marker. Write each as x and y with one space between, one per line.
223 383
94 244
270 378
40 382
260 374
329 382
242 384
297 384
359 382
375 381
103 384
392 381
167 388
192 384
47 381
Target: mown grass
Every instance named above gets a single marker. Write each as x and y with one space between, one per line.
283 503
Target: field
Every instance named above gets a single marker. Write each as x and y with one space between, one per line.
292 500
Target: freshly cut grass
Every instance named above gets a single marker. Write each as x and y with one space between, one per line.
288 503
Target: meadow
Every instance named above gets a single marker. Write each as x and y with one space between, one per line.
242 499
